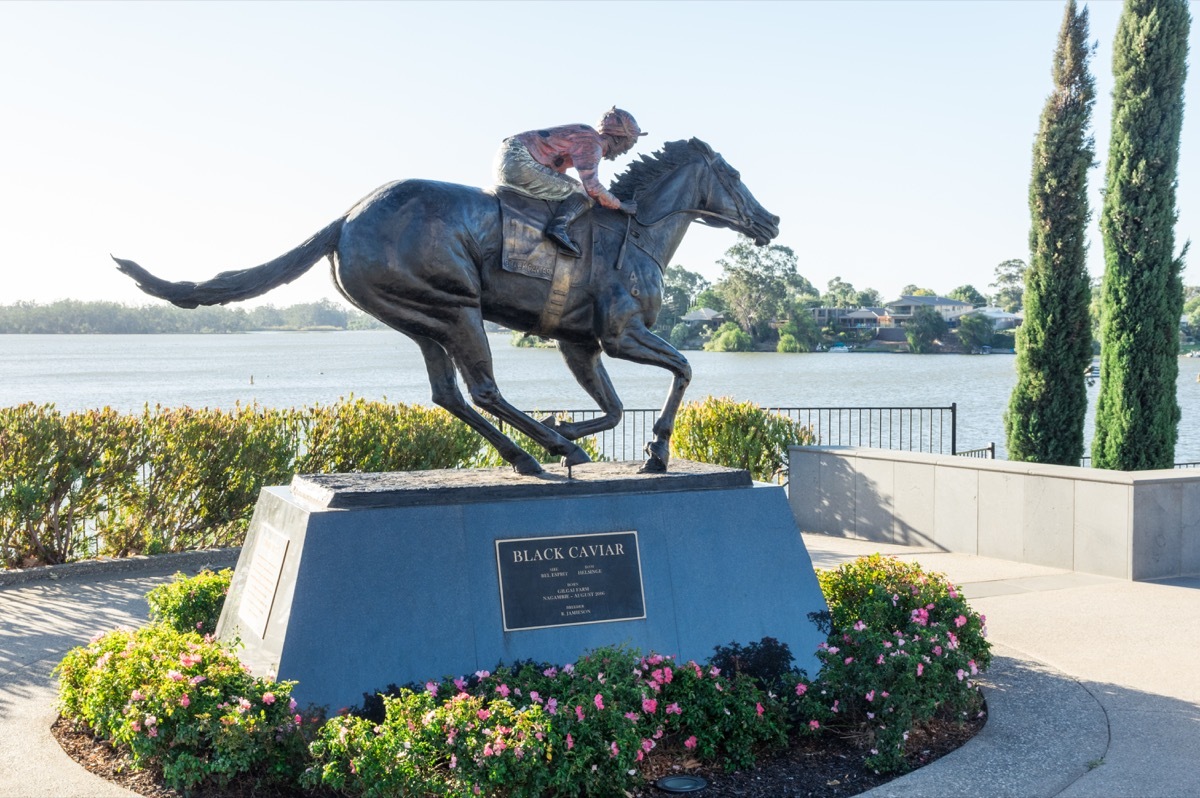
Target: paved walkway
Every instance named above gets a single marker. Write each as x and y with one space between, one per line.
1093 691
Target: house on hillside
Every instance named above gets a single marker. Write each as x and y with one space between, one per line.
902 309
852 318
1001 319
700 318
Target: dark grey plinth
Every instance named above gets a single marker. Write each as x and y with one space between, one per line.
348 583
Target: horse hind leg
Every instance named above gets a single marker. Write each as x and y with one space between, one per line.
468 347
445 394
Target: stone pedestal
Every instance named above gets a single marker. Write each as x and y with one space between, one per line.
350 582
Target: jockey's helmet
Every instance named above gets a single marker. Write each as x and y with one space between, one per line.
616 122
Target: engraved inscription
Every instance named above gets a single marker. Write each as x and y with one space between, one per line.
567 580
259 593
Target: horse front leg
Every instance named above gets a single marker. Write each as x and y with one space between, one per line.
636 343
584 362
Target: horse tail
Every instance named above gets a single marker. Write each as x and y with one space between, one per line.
234 286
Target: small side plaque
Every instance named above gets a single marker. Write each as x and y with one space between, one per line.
259 593
570 580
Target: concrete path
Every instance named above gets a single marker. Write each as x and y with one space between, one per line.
1093 691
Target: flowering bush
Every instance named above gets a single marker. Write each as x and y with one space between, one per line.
903 644
191 604
578 730
181 702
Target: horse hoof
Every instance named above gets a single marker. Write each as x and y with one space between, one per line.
526 465
575 458
653 466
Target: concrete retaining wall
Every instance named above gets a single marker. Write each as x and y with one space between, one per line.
1130 525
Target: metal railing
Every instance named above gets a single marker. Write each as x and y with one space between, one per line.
933 430
986 453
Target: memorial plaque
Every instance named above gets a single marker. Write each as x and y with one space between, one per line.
570 580
259 593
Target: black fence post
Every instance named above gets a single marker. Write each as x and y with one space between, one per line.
954 428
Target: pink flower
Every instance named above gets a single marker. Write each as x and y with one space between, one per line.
973 666
503 690
460 684
961 674
848 660
613 749
487 750
668 675
297 720
836 701
633 716
879 660
197 679
801 688
673 709
431 688
137 727
550 672
150 721
690 742
570 742
552 705
859 625
960 621
453 761
579 713
243 704
758 707
920 669
482 674
175 676
188 660
153 732
185 701
483 714
812 724
649 705
137 696
870 696
937 651
598 701
647 745
268 698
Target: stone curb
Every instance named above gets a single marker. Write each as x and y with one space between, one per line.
180 561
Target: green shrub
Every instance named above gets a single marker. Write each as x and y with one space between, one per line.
182 703
357 435
903 645
201 473
788 343
737 435
681 333
729 338
57 472
191 604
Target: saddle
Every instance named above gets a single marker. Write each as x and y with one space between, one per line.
527 251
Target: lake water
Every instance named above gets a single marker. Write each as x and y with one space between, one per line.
290 369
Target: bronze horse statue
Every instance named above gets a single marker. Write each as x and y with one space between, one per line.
425 258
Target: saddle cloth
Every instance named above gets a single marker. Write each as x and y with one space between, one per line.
527 251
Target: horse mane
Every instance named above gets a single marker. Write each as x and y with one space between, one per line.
642 173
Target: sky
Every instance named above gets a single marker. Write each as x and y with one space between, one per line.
893 137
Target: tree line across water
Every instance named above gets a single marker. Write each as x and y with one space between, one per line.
78 317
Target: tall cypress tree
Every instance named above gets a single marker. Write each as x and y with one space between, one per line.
1044 422
1137 415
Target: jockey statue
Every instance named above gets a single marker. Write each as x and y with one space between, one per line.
534 163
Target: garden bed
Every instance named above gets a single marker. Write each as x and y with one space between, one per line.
829 767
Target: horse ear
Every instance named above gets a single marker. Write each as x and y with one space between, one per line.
700 145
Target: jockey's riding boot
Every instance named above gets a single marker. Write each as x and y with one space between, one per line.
568 211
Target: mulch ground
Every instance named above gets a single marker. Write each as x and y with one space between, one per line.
828 767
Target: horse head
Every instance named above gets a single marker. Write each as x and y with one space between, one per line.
689 178
726 202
